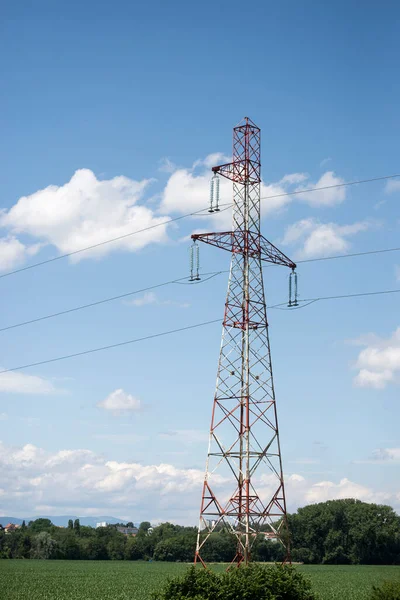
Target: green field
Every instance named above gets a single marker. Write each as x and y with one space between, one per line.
105 580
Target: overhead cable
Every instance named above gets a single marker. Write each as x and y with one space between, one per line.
191 214
180 329
111 299
181 280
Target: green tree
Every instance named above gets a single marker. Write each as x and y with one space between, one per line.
144 527
347 531
43 546
265 550
94 548
4 553
40 525
68 544
70 524
303 555
132 549
77 527
24 545
145 545
116 548
178 548
220 547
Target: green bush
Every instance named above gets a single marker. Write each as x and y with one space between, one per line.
254 582
390 590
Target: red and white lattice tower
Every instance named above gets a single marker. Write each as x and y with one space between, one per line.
244 455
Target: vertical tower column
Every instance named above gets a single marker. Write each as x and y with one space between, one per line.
243 489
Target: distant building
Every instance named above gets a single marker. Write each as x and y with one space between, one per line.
11 527
128 530
102 524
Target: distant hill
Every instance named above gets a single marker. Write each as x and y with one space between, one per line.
62 521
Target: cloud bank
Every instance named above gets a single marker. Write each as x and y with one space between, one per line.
79 481
83 212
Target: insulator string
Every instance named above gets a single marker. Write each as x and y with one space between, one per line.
191 263
197 253
211 210
293 290
216 193
194 262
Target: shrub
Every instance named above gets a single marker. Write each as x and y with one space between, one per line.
254 582
390 590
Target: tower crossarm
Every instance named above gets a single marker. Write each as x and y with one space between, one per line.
246 242
240 170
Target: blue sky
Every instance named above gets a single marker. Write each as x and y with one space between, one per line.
118 108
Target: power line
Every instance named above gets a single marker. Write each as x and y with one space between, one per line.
180 280
111 299
191 214
328 187
92 350
351 295
312 300
120 237
180 329
96 303
348 255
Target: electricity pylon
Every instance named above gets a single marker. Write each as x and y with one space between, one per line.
243 489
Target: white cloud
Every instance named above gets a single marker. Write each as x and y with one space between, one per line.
14 253
121 438
166 165
301 491
20 383
119 402
325 161
305 461
274 198
321 239
393 185
328 490
83 212
3 416
189 189
79 481
374 379
151 298
379 361
87 211
386 455
212 160
147 298
327 197
293 178
185 436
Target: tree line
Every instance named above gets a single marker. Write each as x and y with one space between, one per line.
333 532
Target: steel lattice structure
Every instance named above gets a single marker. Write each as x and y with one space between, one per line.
244 451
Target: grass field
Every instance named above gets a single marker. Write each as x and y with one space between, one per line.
104 580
